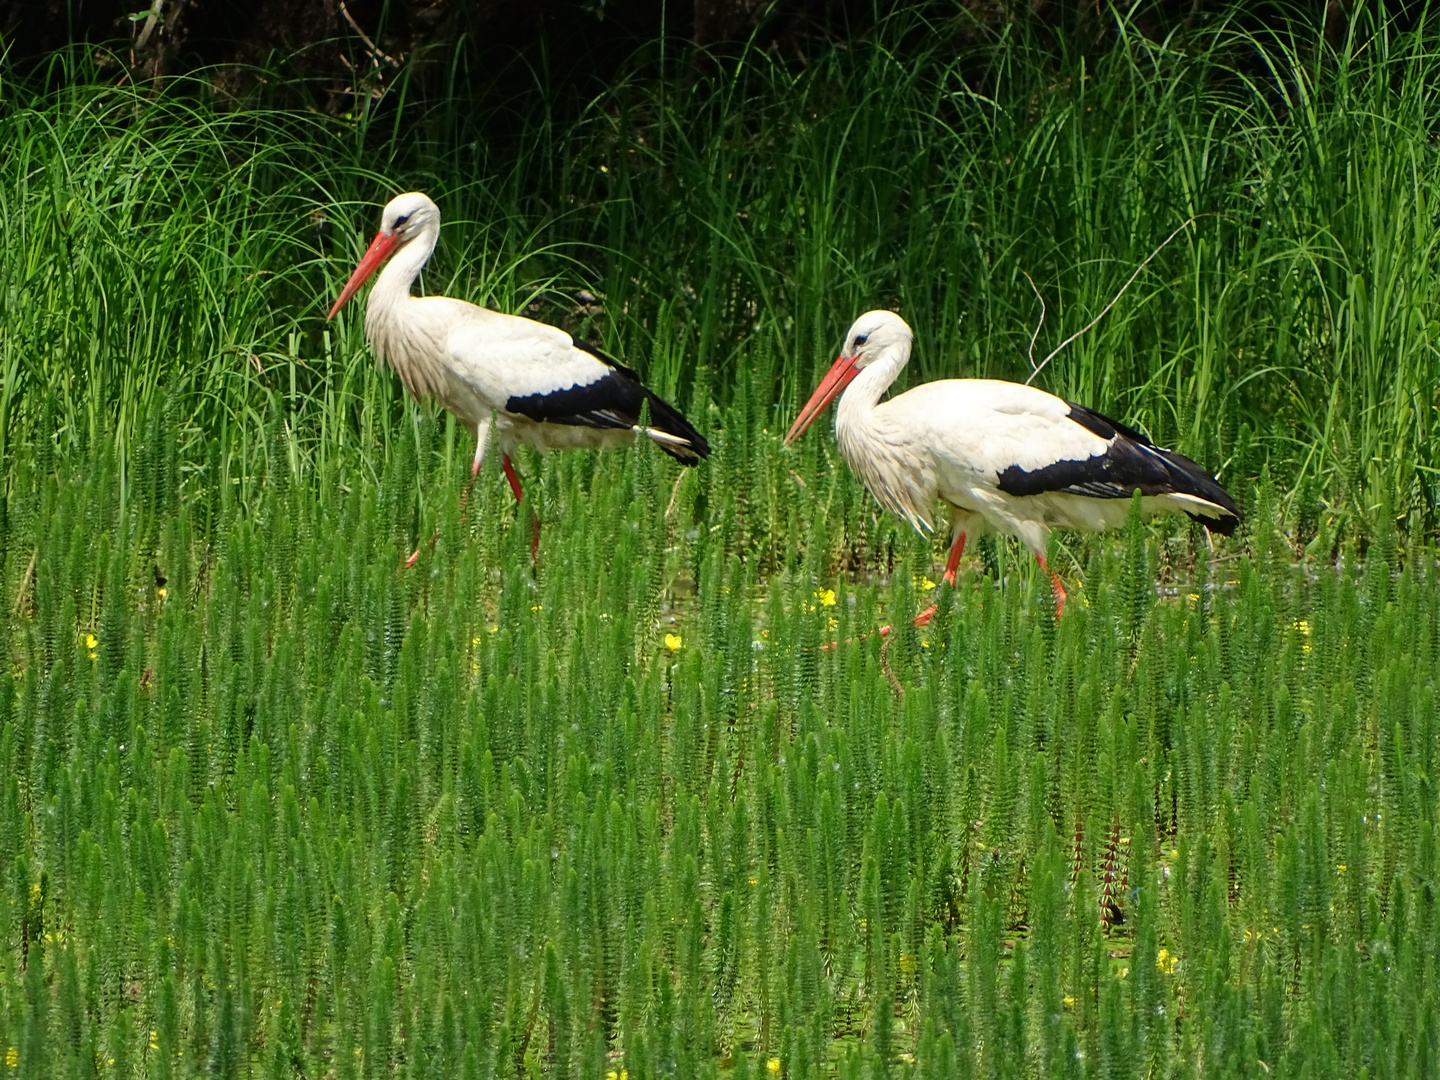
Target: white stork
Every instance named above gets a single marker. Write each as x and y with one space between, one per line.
534 383
1000 456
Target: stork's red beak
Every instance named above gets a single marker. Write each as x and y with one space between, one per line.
840 375
378 251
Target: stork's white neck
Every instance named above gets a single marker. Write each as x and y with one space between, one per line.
392 287
879 445
398 337
857 404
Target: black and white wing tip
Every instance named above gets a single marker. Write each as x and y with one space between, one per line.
1130 462
673 433
615 400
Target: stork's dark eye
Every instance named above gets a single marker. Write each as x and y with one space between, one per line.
401 220
860 339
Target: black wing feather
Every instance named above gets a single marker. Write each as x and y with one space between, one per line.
1130 463
615 400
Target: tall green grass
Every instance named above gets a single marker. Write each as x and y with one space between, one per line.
739 216
299 811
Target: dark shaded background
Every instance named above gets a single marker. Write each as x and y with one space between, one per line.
330 42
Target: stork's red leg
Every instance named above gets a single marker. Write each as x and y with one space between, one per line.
474 471
534 518
953 563
510 475
1054 584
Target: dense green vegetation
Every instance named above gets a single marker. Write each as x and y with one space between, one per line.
273 805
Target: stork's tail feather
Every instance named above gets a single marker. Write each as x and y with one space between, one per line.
1214 508
673 433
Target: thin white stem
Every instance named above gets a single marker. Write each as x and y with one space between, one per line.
1105 310
1030 353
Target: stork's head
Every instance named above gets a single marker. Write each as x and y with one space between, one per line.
405 218
872 334
870 337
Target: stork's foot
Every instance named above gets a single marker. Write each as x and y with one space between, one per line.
923 619
415 555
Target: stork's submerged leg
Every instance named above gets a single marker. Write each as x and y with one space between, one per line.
1054 584
482 439
510 475
951 565
534 518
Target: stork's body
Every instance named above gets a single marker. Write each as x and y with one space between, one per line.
533 383
997 455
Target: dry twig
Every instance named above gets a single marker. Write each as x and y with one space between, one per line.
1105 310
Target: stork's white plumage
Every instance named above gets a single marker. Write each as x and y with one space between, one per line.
534 383
998 455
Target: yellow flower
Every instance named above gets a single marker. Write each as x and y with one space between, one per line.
1067 1001
474 641
1165 962
923 583
773 1066
1123 973
674 641
826 597
154 1040
160 592
537 607
1340 868
12 1058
